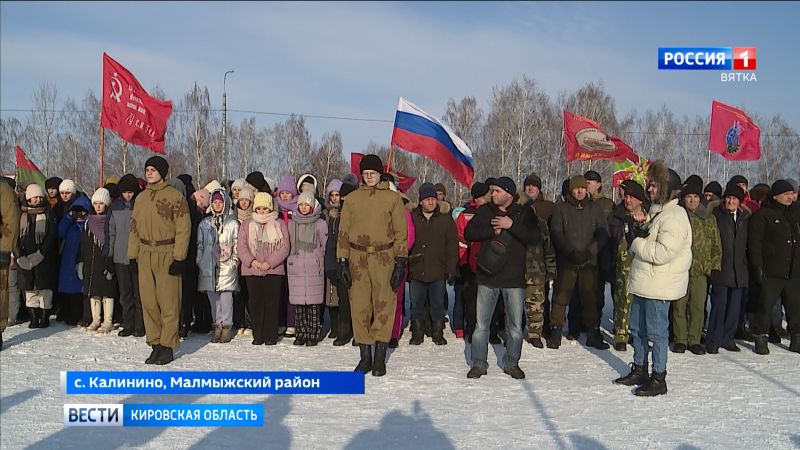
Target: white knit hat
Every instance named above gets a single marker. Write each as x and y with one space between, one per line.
34 190
238 182
307 197
68 186
101 195
212 186
247 193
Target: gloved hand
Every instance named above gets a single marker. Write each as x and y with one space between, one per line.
397 273
79 269
176 268
344 273
36 258
109 273
24 263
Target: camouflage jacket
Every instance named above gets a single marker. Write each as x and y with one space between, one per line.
706 245
540 259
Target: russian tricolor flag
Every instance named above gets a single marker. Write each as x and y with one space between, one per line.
418 132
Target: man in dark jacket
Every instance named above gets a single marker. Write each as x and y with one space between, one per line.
515 228
774 245
432 262
728 283
533 190
579 229
605 253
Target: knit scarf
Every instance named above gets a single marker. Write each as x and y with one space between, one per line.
291 205
40 223
244 214
332 210
96 224
304 233
264 231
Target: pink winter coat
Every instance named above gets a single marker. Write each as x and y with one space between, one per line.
306 270
275 259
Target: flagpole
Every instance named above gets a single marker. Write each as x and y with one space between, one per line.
389 158
102 152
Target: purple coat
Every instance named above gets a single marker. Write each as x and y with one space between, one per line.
275 259
305 271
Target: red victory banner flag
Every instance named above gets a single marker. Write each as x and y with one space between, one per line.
127 108
733 135
585 140
27 170
404 182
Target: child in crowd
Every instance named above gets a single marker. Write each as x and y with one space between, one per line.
96 272
70 286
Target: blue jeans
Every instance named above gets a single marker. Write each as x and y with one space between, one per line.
514 301
420 291
649 321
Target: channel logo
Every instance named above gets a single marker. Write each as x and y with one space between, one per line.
707 58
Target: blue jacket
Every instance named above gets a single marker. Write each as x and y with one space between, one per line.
70 233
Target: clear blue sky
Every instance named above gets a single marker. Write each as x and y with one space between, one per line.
356 59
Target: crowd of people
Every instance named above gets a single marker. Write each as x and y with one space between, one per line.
253 259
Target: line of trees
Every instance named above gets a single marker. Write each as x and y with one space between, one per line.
519 132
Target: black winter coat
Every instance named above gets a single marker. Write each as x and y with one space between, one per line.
524 232
435 251
774 241
95 283
578 227
45 275
331 266
734 271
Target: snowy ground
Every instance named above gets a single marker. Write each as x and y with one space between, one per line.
725 401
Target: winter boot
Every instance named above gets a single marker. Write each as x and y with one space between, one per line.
225 335
774 336
438 336
515 373
45 316
476 372
218 334
164 356
94 304
340 341
1 341
536 341
679 348
595 339
34 318
761 344
656 386
621 346
183 331
417 333
365 365
555 337
334 314
393 343
379 362
794 346
108 314
153 355
636 377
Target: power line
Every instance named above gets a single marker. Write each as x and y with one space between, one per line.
355 119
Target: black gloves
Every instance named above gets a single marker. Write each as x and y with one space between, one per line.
176 268
344 273
397 273
633 231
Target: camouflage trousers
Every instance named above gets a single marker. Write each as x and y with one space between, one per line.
534 309
622 310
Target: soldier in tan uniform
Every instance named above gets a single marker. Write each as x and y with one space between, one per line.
158 244
372 254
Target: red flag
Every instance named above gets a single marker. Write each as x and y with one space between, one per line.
733 135
585 140
127 108
404 182
27 170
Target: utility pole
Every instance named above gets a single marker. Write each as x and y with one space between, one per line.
225 127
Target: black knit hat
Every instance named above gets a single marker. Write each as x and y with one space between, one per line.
506 184
257 180
479 190
691 188
128 184
592 175
781 186
738 179
490 182
427 190
695 179
532 180
732 190
158 163
636 191
371 162
714 188
52 183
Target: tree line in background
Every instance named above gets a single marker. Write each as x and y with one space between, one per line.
520 132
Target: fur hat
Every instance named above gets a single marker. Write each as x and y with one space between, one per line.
578 181
667 181
371 162
101 195
263 200
158 163
427 190
34 190
68 186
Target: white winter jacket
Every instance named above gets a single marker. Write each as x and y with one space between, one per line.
661 261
